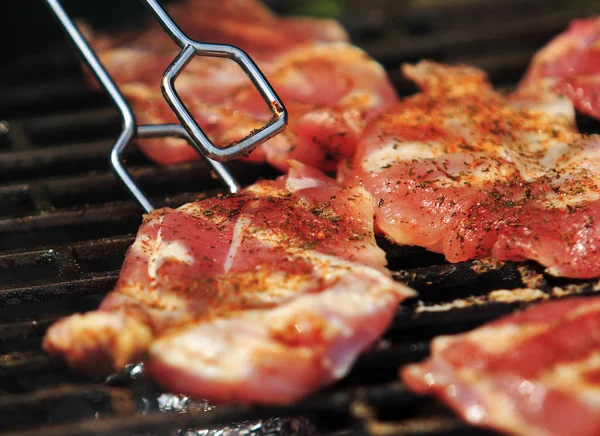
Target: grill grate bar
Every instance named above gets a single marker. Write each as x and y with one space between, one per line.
62 126
12 260
397 46
103 187
99 283
71 225
67 218
39 397
18 137
40 197
461 318
27 362
65 263
395 356
20 165
21 99
107 213
90 250
93 250
474 277
175 174
420 18
25 70
25 329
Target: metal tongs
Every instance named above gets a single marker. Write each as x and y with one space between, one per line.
188 129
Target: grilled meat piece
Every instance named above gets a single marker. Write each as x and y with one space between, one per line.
568 65
261 296
330 88
533 373
460 170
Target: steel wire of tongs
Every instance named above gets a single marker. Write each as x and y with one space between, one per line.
188 129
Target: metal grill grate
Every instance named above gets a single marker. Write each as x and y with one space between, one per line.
65 224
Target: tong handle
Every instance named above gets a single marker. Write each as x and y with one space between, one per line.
188 130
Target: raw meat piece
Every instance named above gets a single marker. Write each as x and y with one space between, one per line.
568 65
533 373
461 170
262 296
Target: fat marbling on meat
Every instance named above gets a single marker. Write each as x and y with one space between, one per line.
262 296
532 373
461 170
330 87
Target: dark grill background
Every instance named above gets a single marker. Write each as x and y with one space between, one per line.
66 222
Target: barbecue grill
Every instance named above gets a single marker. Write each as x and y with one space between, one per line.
66 222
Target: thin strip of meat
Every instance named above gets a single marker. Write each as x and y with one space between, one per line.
460 170
534 373
330 88
568 65
258 297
